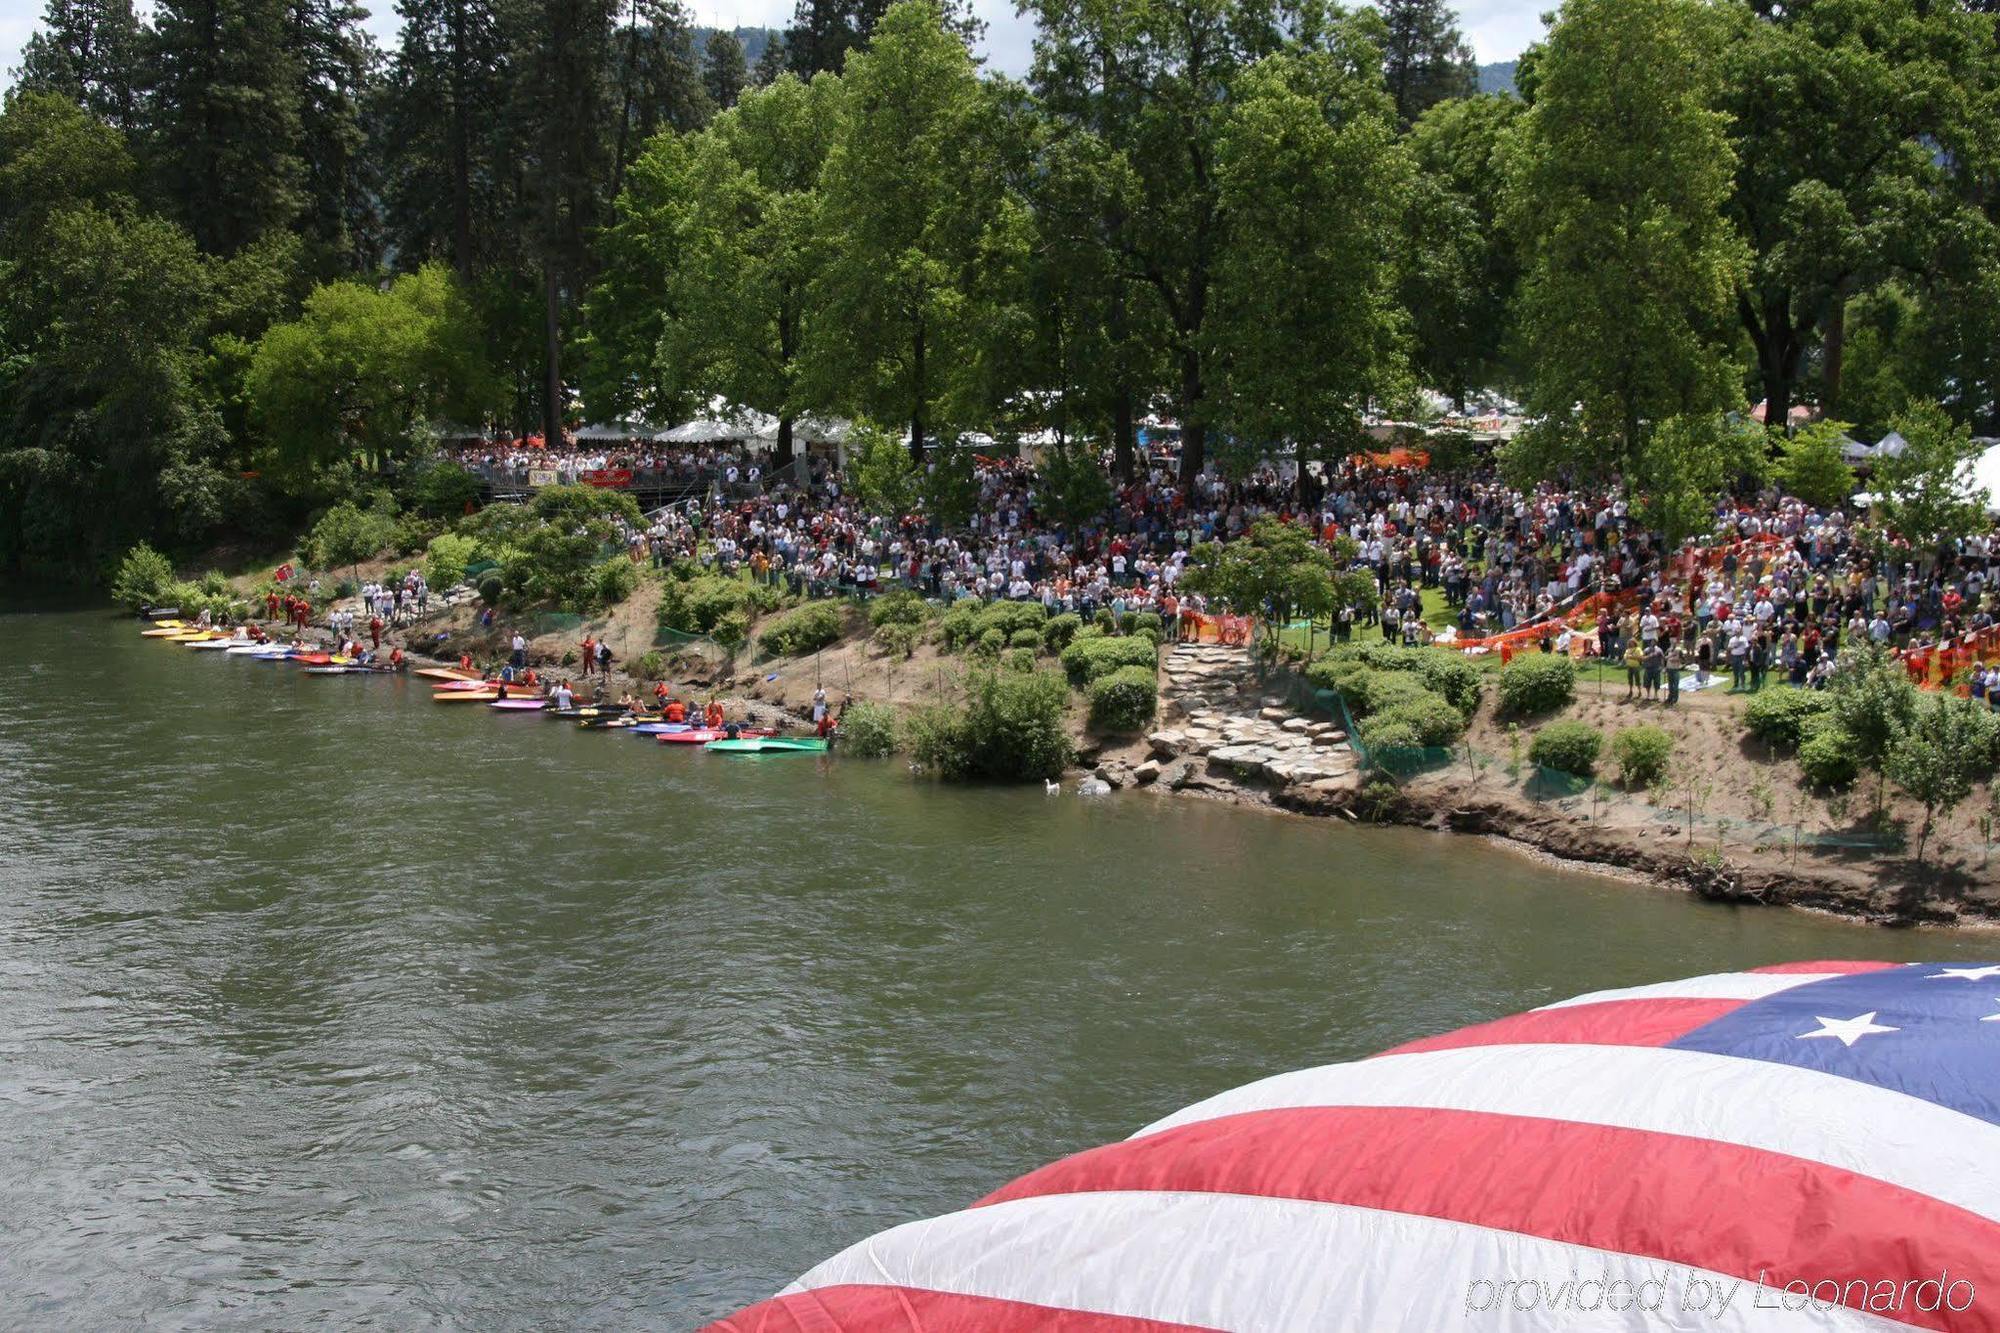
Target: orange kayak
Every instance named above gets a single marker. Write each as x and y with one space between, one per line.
467 696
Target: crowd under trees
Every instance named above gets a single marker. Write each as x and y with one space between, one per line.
247 255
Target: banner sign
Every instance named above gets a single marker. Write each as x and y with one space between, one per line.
541 476
607 477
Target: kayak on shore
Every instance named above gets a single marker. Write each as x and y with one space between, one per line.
769 745
703 735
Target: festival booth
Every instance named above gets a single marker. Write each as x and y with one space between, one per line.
824 436
718 425
616 431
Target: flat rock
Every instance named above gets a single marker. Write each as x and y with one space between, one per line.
1147 773
1246 756
1166 744
1297 724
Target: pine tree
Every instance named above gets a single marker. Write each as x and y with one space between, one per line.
723 72
223 115
447 184
333 58
87 50
770 61
824 31
1425 59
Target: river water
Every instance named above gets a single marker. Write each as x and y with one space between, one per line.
322 1002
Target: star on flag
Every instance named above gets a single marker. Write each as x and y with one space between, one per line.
1848 1030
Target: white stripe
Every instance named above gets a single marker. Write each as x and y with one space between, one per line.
1720 986
1839 1122
1241 1262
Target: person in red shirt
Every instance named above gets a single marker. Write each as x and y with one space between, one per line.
465 661
271 605
714 714
660 695
589 646
375 631
676 711
396 658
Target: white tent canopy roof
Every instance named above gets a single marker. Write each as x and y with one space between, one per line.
716 425
615 430
809 430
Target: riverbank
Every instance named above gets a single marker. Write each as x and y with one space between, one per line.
1740 827
1226 735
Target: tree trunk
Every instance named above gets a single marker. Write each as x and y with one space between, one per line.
552 404
1835 350
917 387
1122 434
1194 432
461 150
784 451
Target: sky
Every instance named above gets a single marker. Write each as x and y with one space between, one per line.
1497 29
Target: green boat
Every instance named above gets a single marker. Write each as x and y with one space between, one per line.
769 745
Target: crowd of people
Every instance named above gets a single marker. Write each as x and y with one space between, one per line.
1771 592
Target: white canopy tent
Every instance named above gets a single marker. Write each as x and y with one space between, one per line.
718 425
1891 445
810 430
1854 451
615 430
1986 473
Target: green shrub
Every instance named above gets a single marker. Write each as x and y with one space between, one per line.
1125 700
612 581
490 588
1025 638
1104 619
1642 753
696 605
901 607
1057 634
1536 684
1149 620
1017 659
650 666
897 638
1429 717
1009 729
413 532
1010 618
1779 715
214 583
731 628
990 642
1087 658
1567 747
446 558
959 625
1829 756
869 730
806 629
1441 671
1398 735
144 578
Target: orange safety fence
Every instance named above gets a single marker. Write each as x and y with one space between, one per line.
1583 610
1934 667
1198 628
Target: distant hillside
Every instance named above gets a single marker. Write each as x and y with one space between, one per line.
1497 77
756 39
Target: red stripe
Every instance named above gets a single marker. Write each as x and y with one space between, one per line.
862 1309
1843 966
1606 1023
1717 1206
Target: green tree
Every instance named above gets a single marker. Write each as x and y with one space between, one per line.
223 118
824 31
771 61
1275 573
1812 467
331 56
736 299
1686 463
1948 746
924 250
1070 485
448 185
87 51
723 72
885 478
1827 189
354 375
1425 59
1306 322
640 291
1925 493
1872 701
348 534
1459 272
1619 175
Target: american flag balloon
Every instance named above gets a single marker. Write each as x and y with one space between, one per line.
1812 1145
